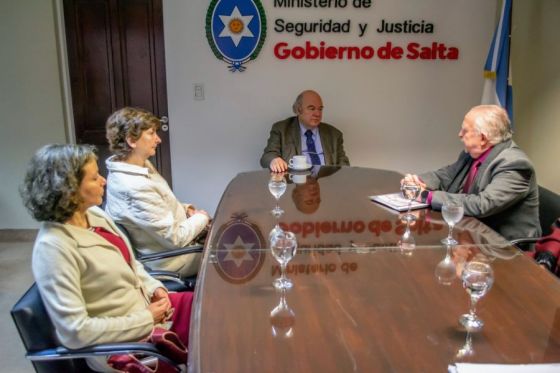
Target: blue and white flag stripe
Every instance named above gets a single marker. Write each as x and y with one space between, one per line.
497 83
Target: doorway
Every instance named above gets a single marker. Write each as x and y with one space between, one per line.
116 58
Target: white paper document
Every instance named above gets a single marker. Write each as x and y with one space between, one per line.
504 368
397 202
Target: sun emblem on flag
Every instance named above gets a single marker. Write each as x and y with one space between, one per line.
239 250
236 30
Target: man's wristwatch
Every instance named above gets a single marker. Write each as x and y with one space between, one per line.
424 195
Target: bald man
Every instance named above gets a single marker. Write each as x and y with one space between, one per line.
304 134
493 179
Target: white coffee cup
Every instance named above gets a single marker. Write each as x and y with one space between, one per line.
298 162
298 179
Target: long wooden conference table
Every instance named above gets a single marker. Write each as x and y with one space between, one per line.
359 303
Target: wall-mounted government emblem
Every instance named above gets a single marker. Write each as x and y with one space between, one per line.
236 30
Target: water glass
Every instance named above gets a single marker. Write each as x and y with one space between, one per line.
452 214
277 187
410 191
477 277
283 246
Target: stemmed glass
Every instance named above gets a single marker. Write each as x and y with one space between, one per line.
410 191
282 318
477 277
445 270
452 214
283 246
277 186
407 243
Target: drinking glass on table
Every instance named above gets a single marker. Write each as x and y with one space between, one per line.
283 246
410 191
452 214
477 277
277 187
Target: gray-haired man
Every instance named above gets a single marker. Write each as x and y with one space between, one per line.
493 179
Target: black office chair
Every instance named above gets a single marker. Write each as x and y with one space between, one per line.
171 280
45 352
549 211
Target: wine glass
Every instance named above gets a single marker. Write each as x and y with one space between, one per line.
282 318
277 187
445 270
407 243
410 191
477 277
452 214
283 246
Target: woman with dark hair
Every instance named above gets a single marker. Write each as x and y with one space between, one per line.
141 200
93 288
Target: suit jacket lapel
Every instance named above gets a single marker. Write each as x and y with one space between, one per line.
498 148
295 133
456 185
326 144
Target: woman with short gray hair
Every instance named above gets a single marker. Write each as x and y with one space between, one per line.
141 200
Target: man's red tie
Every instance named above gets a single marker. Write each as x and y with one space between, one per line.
471 176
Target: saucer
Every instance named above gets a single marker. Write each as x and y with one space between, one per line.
302 169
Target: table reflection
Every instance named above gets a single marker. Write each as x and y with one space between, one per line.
282 318
331 209
239 253
306 193
445 271
466 350
361 303
407 243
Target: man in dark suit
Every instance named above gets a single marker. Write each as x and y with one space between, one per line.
304 134
493 179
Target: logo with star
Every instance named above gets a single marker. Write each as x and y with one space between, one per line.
240 250
236 30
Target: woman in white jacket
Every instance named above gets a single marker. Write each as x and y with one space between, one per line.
141 200
92 287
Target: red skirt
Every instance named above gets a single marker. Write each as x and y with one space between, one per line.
181 318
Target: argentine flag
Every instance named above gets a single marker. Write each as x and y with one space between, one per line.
497 77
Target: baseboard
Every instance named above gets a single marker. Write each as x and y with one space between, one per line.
18 235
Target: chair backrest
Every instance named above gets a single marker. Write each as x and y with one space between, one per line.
549 209
185 285
37 333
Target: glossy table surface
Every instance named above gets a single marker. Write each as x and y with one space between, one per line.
359 303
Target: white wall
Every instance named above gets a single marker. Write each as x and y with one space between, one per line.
32 113
30 98
535 58
402 115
